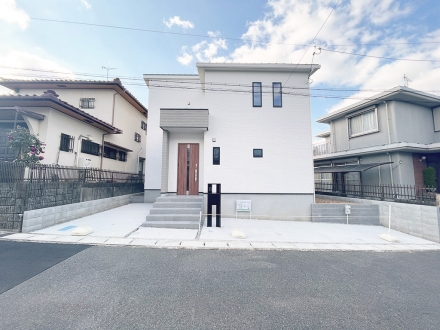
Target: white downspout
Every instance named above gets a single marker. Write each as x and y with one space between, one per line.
389 142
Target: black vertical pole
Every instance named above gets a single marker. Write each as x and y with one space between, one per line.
209 205
218 216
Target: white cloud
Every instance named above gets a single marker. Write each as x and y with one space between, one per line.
206 51
186 58
278 35
86 4
13 62
12 15
177 21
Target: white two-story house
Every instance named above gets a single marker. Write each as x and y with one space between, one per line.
84 123
244 126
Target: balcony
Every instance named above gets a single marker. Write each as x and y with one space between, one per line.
184 119
321 148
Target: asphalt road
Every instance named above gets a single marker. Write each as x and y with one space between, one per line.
141 288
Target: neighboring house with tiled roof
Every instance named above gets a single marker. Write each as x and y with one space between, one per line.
76 118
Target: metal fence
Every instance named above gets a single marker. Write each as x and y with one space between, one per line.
14 172
396 193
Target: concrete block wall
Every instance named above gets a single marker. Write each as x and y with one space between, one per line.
361 214
417 220
50 216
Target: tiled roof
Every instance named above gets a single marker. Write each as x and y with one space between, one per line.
8 82
51 96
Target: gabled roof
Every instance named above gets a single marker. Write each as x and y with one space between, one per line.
17 84
49 99
399 93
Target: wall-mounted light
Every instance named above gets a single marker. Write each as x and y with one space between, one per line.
422 158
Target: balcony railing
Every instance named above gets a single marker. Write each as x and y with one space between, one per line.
321 148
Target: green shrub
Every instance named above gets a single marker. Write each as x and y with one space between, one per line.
28 146
430 177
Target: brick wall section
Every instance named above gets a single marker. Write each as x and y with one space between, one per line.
417 220
419 166
16 198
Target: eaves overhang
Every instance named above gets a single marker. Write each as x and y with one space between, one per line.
399 93
394 147
116 85
46 100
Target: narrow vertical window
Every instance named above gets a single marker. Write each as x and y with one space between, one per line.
216 155
256 94
277 94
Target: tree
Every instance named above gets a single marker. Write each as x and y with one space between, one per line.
28 146
430 177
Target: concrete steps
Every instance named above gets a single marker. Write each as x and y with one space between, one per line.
181 212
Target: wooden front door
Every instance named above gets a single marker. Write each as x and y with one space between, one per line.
188 169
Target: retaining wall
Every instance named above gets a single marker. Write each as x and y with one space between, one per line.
17 198
417 220
335 213
39 219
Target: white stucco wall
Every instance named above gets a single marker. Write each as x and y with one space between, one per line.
125 117
49 131
162 97
284 134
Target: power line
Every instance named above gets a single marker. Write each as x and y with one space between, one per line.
380 57
311 43
226 38
187 82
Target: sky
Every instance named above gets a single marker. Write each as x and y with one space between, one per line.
131 37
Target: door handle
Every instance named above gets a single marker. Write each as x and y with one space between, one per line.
195 175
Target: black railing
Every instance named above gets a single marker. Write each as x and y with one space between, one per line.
14 172
396 193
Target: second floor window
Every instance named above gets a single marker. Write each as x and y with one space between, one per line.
363 123
277 94
143 125
87 103
256 94
122 156
137 137
89 147
67 142
109 153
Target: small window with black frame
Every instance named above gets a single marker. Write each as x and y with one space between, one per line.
137 137
67 142
277 94
216 155
89 147
109 153
256 94
122 156
87 103
258 153
143 125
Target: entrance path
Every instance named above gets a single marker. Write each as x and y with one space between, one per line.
120 226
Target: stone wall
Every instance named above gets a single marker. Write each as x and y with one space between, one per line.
50 216
16 198
417 220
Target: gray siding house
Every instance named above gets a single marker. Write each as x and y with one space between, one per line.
394 136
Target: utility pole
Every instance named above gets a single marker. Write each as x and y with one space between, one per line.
406 80
108 69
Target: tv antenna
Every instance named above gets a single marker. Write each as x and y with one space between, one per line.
406 80
108 69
